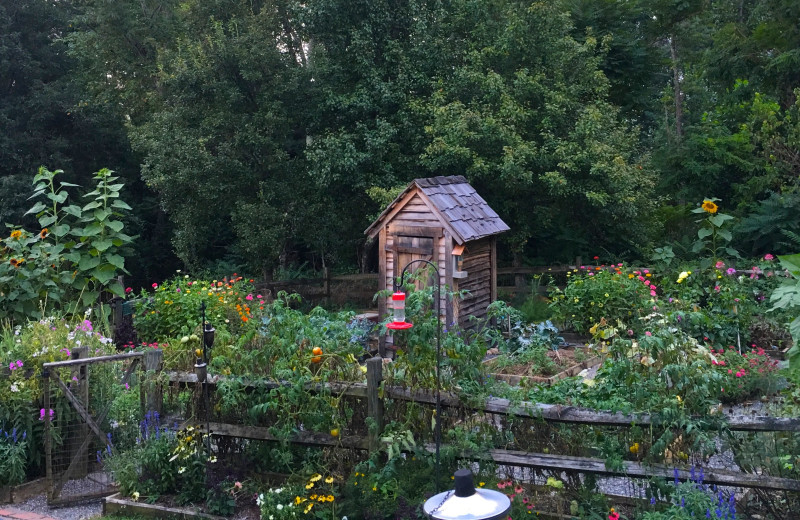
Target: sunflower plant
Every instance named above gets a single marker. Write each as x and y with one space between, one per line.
713 237
75 254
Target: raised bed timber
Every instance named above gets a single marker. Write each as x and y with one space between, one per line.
22 492
522 380
117 505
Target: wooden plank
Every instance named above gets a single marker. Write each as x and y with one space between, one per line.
412 250
448 278
92 360
304 438
493 268
415 231
116 505
636 469
365 277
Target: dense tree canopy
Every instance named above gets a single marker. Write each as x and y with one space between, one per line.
258 133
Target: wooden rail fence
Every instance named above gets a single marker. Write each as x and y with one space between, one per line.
545 412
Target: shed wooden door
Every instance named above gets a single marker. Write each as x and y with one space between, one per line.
409 248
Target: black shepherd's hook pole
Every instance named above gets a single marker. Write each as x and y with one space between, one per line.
438 424
205 385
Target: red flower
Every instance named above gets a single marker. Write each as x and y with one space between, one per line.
613 515
128 290
155 285
596 257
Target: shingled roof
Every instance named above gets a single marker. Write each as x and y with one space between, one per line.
465 212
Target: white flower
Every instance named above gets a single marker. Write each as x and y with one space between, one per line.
14 387
280 506
135 495
88 312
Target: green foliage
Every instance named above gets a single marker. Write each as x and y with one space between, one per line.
172 309
73 258
13 450
787 297
23 351
615 294
163 462
768 228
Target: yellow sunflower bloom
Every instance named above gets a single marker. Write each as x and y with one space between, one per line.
709 206
16 233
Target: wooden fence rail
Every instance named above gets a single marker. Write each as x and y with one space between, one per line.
525 409
546 412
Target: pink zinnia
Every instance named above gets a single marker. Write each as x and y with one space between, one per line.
768 257
155 285
248 297
648 333
731 271
720 264
716 288
652 293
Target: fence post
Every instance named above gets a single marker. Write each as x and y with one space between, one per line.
80 378
153 362
326 284
374 401
48 443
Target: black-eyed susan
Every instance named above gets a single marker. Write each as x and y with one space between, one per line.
329 480
43 233
14 262
315 477
709 206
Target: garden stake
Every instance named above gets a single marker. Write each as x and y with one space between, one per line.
401 324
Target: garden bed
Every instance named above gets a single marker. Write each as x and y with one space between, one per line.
526 373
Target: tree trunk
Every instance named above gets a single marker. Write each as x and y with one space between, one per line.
676 81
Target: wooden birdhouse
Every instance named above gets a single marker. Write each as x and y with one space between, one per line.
445 221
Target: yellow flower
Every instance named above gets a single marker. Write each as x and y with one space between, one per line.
308 507
16 233
481 484
309 485
709 206
634 448
315 477
313 497
330 498
329 480
630 276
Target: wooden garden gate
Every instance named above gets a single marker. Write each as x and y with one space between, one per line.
78 396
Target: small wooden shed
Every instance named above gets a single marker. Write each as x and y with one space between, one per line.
444 220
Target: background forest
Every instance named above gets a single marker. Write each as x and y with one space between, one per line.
260 134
